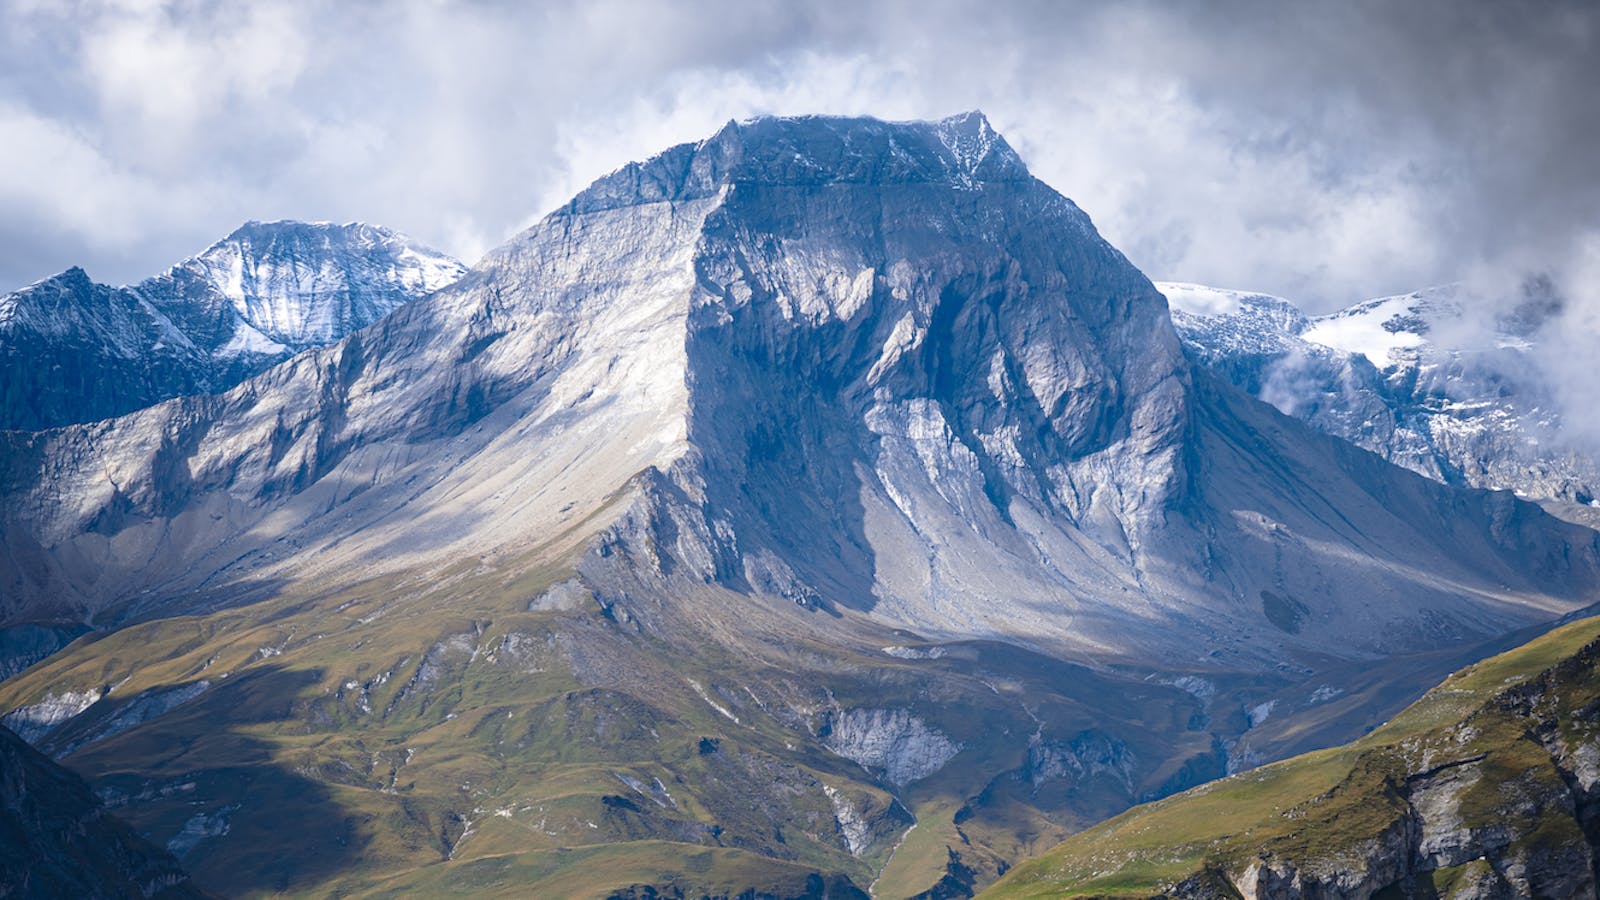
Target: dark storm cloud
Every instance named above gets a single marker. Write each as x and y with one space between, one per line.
1492 106
1326 152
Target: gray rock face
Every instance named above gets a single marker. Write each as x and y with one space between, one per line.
72 350
1392 376
26 644
893 740
1091 754
873 369
34 721
75 351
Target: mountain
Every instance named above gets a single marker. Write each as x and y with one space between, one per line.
57 841
820 507
1403 377
1489 786
73 351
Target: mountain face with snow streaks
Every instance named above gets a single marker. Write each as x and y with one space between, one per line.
1401 377
74 351
772 470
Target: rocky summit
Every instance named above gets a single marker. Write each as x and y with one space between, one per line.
818 507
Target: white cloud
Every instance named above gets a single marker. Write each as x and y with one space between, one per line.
1571 340
161 76
58 183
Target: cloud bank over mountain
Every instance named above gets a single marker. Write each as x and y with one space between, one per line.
1326 153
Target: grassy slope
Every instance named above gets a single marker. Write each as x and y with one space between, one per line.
473 758
431 735
1319 805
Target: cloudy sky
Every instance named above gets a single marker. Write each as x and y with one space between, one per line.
1326 152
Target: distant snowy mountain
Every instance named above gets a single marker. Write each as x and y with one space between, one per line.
1401 377
72 350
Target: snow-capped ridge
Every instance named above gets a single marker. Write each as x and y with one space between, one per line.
1410 377
1377 329
303 284
79 351
1205 300
72 279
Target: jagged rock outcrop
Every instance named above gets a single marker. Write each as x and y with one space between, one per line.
1509 811
72 350
24 645
893 740
57 841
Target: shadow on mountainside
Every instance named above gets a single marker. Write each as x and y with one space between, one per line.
240 817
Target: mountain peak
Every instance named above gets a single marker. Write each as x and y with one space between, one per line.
74 282
962 151
273 236
306 284
72 277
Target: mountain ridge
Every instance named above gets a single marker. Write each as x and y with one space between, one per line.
77 351
814 150
1084 418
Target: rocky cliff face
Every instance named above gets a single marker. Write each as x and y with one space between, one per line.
1398 377
57 841
74 351
1507 806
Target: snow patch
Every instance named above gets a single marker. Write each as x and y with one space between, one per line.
246 340
1325 693
899 652
199 827
1260 712
726 713
1368 329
